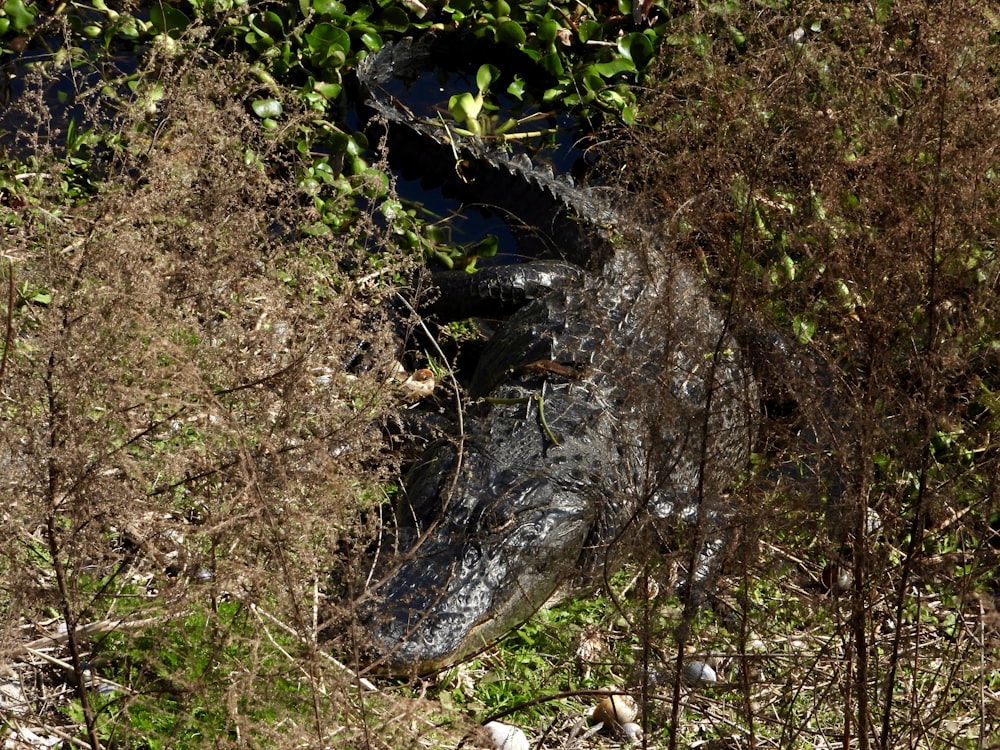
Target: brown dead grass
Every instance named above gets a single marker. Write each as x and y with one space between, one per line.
180 411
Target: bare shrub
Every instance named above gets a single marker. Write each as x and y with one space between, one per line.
835 173
186 460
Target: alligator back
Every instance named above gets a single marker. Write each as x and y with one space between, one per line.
602 403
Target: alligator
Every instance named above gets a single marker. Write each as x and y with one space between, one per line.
615 395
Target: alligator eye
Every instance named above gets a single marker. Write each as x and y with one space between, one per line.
495 521
473 554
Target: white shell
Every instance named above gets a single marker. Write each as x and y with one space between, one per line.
615 710
698 674
873 521
632 732
836 579
506 737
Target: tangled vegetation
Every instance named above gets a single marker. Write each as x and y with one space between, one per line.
198 237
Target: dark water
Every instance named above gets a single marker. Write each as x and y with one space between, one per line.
60 80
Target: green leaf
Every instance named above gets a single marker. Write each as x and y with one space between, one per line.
485 76
167 19
267 25
372 41
614 67
547 31
339 142
638 48
267 108
20 16
326 36
332 8
511 33
590 30
804 329
516 88
395 19
328 90
552 62
485 248
466 108
738 37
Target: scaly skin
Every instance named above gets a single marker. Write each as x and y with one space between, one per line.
600 403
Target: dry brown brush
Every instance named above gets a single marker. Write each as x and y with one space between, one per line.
835 172
186 460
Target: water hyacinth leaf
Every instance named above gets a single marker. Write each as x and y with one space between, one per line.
506 126
465 108
327 90
547 31
804 329
357 144
438 235
738 37
363 13
267 108
332 8
486 75
591 80
638 48
617 100
328 47
590 30
263 29
128 29
485 248
19 15
339 142
444 258
553 94
267 24
552 62
344 143
516 88
510 32
371 40
316 102
167 19
614 67
325 37
395 19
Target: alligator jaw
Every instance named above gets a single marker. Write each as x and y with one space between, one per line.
460 589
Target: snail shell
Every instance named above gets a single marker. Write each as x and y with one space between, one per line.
698 674
419 385
632 732
506 737
615 710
